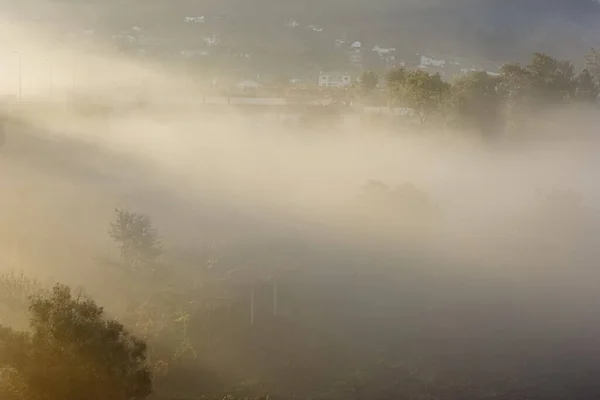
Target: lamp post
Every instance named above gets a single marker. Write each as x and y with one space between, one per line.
20 75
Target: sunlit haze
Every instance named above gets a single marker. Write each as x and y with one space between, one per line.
445 252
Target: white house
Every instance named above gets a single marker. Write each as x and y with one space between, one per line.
194 20
478 69
314 28
355 53
383 51
194 53
335 79
432 62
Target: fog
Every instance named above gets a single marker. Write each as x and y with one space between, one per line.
491 30
222 178
196 163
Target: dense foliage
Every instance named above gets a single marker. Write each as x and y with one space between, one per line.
71 352
490 103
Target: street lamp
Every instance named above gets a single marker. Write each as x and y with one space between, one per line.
20 75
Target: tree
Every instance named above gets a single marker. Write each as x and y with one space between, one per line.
152 299
15 291
586 88
514 81
137 239
396 76
395 79
425 93
477 102
515 87
552 80
73 353
592 64
369 81
544 81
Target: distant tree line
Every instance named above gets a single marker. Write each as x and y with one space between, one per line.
491 103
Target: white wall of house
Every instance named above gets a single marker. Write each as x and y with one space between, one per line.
383 51
194 53
334 79
432 62
195 20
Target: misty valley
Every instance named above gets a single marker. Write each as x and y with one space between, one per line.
396 231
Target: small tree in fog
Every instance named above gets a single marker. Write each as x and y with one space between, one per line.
396 77
592 64
369 81
15 291
586 88
137 239
71 352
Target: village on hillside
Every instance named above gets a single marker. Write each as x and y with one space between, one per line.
228 75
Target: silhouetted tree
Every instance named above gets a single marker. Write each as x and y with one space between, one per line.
586 88
592 64
369 81
137 239
544 81
71 352
477 103
15 291
551 79
396 77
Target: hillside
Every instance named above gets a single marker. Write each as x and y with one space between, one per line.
491 30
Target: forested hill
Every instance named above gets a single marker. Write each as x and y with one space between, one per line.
496 29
